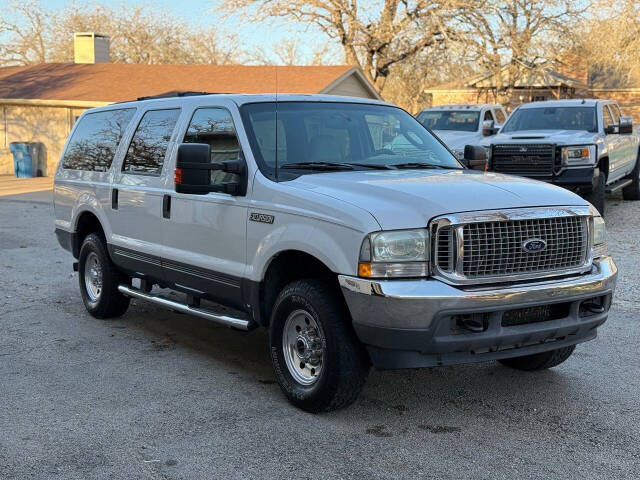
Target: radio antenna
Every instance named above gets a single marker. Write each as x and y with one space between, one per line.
276 124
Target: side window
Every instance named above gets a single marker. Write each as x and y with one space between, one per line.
215 127
148 146
500 117
487 116
615 111
95 140
607 120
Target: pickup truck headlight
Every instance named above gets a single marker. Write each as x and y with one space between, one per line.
578 155
397 253
599 237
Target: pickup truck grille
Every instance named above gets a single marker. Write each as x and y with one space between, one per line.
484 251
528 160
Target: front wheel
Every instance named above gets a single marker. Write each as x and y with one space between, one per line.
318 361
597 195
539 361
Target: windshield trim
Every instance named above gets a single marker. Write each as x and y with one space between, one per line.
290 174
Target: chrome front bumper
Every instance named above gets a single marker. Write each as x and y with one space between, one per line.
409 315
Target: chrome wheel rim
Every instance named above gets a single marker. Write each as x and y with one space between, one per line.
93 277
304 347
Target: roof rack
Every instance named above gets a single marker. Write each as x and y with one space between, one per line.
175 93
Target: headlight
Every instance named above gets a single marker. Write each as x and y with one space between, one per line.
397 253
578 155
599 237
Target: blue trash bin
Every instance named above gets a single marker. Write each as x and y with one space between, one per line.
24 163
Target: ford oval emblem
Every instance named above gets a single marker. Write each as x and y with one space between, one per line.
534 245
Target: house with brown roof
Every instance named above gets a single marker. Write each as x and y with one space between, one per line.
40 103
537 84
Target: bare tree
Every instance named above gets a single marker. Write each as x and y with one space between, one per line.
608 46
507 38
373 38
24 28
144 34
289 52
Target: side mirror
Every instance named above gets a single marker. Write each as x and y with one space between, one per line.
193 171
488 128
626 125
475 157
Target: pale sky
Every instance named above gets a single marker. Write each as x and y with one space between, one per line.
203 12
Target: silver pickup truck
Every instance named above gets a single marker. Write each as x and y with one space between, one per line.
583 145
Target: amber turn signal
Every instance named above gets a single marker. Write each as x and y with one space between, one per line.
364 269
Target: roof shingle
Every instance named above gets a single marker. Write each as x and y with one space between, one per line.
116 82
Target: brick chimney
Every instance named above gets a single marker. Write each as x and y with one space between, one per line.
90 47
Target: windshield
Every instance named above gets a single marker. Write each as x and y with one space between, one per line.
552 118
355 136
461 120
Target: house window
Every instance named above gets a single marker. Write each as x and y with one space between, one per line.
539 98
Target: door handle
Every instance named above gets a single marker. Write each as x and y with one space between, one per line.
114 199
166 206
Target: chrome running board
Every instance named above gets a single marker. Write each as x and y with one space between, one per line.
239 323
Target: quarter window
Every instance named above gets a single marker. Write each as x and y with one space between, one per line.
215 127
148 146
95 140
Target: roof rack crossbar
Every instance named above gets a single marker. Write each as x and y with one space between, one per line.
175 94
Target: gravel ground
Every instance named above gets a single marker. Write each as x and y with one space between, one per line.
156 394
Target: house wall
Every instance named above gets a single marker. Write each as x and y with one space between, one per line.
350 86
627 98
46 125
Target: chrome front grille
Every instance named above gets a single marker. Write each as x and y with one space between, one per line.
490 247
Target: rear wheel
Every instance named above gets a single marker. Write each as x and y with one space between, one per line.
632 191
597 195
539 361
99 279
318 361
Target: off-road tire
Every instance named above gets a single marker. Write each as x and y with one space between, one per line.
597 195
632 191
110 302
346 363
539 361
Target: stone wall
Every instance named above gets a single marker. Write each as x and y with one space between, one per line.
46 125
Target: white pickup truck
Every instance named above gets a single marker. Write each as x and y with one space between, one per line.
583 145
305 217
461 125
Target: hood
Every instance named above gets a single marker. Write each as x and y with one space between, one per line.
410 198
561 137
456 140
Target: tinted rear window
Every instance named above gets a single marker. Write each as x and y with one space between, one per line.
95 140
148 147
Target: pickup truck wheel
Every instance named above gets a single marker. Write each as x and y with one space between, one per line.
596 197
99 279
632 191
318 361
539 361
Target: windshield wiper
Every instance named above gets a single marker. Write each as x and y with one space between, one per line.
371 165
423 165
317 166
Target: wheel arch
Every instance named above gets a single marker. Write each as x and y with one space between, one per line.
86 222
283 268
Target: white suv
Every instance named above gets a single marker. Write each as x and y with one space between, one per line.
340 224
